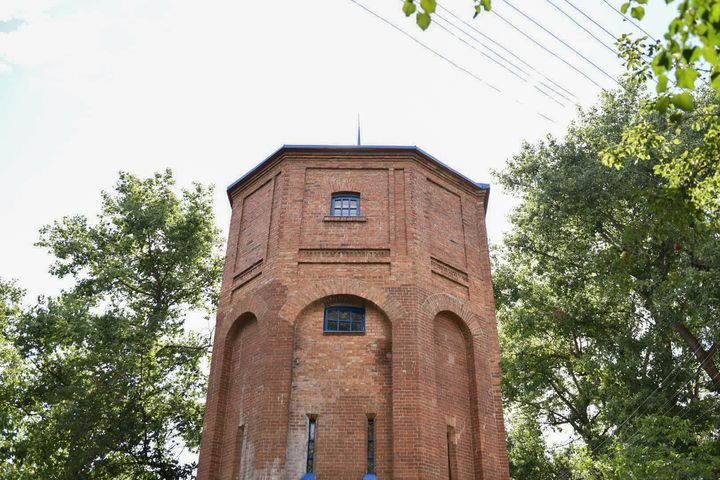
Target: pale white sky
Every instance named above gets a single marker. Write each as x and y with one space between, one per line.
209 89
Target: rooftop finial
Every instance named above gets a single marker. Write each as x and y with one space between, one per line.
358 129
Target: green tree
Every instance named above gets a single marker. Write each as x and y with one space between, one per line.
12 381
686 155
115 386
608 292
527 450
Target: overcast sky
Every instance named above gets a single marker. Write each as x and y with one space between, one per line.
209 89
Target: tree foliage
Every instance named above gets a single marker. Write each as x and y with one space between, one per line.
608 291
113 385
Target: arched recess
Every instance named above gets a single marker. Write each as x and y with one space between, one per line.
317 290
238 398
456 337
441 302
341 380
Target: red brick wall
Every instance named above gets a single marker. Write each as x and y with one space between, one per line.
455 383
254 224
429 361
321 183
341 378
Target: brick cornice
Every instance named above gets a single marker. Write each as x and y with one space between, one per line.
360 152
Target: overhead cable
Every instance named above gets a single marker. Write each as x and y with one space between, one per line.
612 35
435 52
612 50
637 25
524 79
522 32
511 53
549 32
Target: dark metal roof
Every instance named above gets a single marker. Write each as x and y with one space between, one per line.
411 148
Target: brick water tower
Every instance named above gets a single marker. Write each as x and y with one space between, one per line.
356 334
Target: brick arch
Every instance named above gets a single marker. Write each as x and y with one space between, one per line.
297 302
443 302
254 305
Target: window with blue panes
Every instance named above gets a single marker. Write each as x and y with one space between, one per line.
344 319
345 205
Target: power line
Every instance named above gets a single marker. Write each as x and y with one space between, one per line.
459 67
562 41
547 49
633 439
524 79
435 52
645 57
514 55
612 50
663 409
612 35
543 92
637 25
676 372
477 49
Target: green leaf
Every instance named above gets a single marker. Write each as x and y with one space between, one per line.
661 63
684 101
662 84
624 7
428 5
715 80
638 12
487 5
423 20
409 8
710 53
690 54
686 77
662 104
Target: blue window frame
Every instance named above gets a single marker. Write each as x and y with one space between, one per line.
344 319
345 205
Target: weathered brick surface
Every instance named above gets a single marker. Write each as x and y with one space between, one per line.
427 369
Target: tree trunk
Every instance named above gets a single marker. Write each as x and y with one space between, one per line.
704 357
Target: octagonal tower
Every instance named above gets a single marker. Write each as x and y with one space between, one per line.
356 334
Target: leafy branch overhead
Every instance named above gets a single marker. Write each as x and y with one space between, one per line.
688 52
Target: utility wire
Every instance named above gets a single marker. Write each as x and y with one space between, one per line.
645 58
514 55
459 67
562 41
637 25
612 50
664 410
524 79
612 35
435 52
512 72
673 371
522 32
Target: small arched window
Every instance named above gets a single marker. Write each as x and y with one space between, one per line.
345 205
344 319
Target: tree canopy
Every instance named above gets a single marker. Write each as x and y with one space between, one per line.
103 381
608 292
